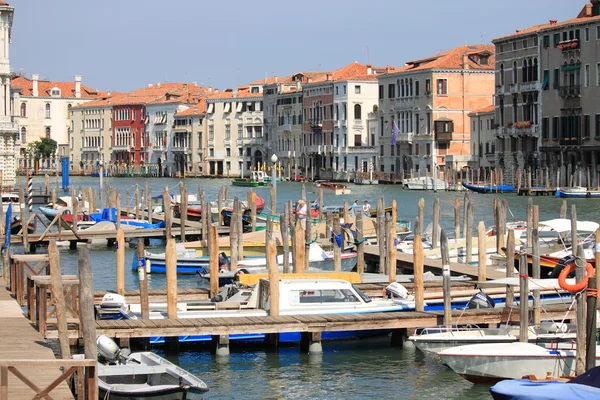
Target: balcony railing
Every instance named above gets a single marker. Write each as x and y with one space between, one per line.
363 149
286 127
316 123
491 157
93 149
405 137
443 137
528 86
570 141
567 45
570 91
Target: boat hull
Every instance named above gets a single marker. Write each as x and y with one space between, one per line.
490 188
577 193
175 394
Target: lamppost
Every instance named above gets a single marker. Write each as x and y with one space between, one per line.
274 174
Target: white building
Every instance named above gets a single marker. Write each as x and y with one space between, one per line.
483 140
43 108
8 127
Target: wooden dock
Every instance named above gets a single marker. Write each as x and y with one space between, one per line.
405 261
27 363
536 191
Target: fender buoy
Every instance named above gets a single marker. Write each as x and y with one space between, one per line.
578 287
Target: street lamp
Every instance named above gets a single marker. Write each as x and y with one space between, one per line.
274 174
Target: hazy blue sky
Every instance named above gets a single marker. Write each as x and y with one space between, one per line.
121 45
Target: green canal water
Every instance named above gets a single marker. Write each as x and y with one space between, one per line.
346 370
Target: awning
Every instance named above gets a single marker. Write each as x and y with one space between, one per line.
210 108
571 67
227 107
239 107
534 284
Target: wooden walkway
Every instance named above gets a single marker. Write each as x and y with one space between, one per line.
20 340
132 329
405 261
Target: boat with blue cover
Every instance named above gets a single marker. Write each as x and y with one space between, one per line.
490 188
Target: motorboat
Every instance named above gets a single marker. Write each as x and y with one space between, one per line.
296 297
424 183
492 362
125 375
483 188
13 200
332 187
257 178
577 192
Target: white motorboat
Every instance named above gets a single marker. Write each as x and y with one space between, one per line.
424 183
123 375
13 199
492 362
332 187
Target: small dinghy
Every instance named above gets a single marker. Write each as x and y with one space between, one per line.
142 375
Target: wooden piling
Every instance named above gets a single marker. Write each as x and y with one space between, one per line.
321 205
183 209
299 245
273 200
535 263
337 250
421 216
481 253
273 269
391 248
233 236
529 221
149 203
456 219
360 245
24 219
59 300
143 282
213 247
381 234
563 209
284 226
120 261
220 206
167 210
118 206
86 302
307 238
591 309
469 234
524 304
580 273
435 224
418 268
205 217
171 267
137 202
510 266
127 198
446 279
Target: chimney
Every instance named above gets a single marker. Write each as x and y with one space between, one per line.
150 85
275 78
298 86
553 22
328 76
369 69
77 86
465 61
158 84
195 83
387 69
235 92
34 90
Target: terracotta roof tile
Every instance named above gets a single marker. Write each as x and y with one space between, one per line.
483 110
547 26
67 89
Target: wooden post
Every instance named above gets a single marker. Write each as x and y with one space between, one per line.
360 246
137 202
535 263
481 252
381 234
86 302
183 209
321 205
149 203
272 268
252 205
337 251
436 224
220 206
307 238
47 184
446 279
594 283
580 273
118 206
233 236
418 265
299 244
510 266
563 209
126 201
171 267
143 282
284 226
59 300
205 217
529 221
24 219
214 260
421 217
469 234
273 200
523 302
167 209
240 230
120 261
457 219
391 249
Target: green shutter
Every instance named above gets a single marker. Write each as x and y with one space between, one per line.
546 79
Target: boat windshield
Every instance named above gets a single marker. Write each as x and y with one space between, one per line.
363 296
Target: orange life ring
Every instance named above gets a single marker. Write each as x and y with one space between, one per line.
579 286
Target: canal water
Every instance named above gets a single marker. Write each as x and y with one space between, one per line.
346 370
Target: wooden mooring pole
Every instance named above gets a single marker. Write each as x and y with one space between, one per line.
446 280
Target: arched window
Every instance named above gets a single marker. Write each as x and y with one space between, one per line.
23 135
535 69
47 132
411 87
47 110
502 74
515 72
398 90
357 112
524 71
23 110
402 83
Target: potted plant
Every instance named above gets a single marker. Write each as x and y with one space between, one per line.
509 125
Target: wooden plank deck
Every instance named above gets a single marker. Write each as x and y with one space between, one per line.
303 323
405 260
20 340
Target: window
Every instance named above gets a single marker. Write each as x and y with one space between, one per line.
345 89
416 88
598 32
47 110
23 110
442 86
545 83
427 87
586 75
524 43
47 131
515 72
546 41
380 92
357 112
587 34
545 126
444 126
357 89
597 125
598 74
514 46
586 126
556 39
228 152
211 152
556 83
24 135
392 90
555 127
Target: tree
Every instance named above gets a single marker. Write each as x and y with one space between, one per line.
42 148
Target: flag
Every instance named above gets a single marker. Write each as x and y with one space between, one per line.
394 132
7 227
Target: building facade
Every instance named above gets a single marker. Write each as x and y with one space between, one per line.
8 124
483 141
189 136
427 102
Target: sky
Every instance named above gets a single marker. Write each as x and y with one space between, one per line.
121 45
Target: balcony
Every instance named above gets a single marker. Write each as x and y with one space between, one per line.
314 149
316 123
286 128
514 88
491 157
570 141
91 149
357 124
120 147
443 137
529 86
568 45
570 91
362 150
405 137
256 140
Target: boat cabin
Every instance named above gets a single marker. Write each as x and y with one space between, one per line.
258 176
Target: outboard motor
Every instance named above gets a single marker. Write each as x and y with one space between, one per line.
395 290
481 300
223 260
560 265
113 300
108 349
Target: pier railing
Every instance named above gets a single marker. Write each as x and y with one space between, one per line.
85 384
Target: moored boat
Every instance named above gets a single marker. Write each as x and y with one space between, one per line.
335 188
490 188
424 184
257 178
577 192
